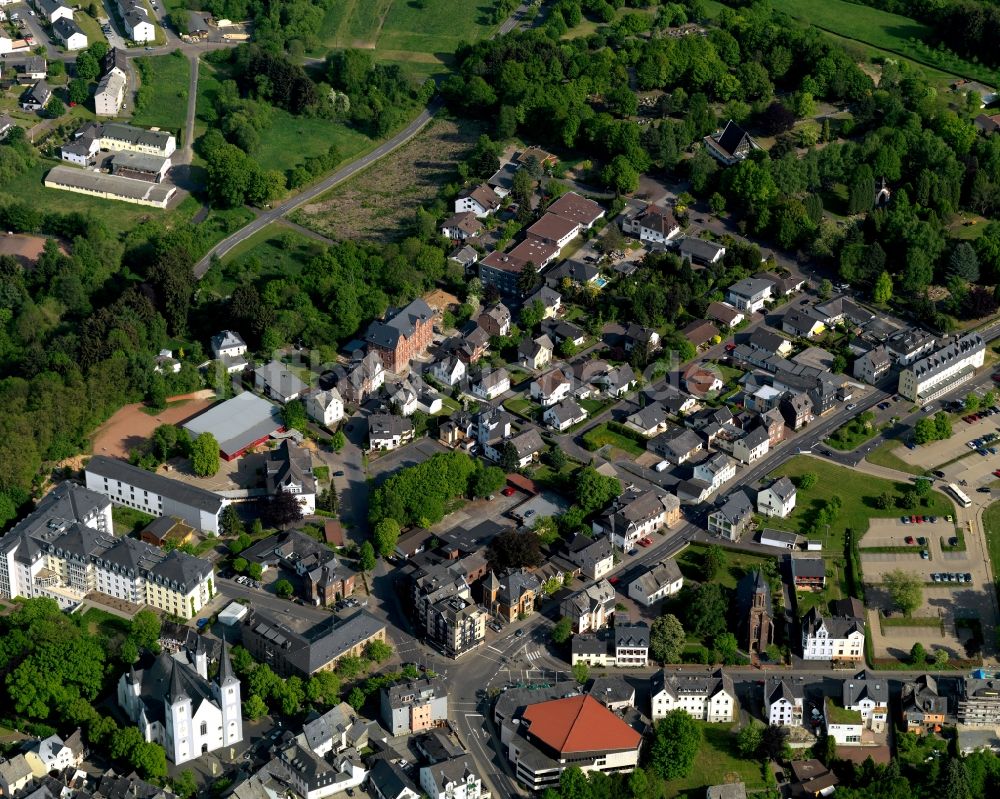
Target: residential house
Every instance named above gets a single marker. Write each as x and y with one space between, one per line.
590 608
810 778
519 589
753 446
550 299
730 146
636 514
616 381
554 230
560 331
288 468
701 251
492 430
472 345
37 97
985 94
466 257
778 499
495 320
871 366
783 286
449 370
362 379
461 226
754 619
699 332
138 25
325 407
677 445
769 343
923 707
52 10
502 181
908 345
843 310
27 70
725 314
731 519
649 420
844 726
595 558
802 324
574 273
563 415
798 411
705 697
274 380
631 641
577 209
654 224
387 431
868 695
944 369
750 294
69 33
387 780
716 470
15 775
675 402
455 778
402 335
701 380
527 444
533 157
413 706
535 353
57 754
656 582
230 349
642 339
783 701
987 123
775 424
613 692
550 388
808 574
7 124
979 702
491 384
838 638
481 201
542 738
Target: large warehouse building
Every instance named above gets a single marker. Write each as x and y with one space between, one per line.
238 424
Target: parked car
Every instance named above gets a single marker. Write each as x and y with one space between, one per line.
921 541
904 519
968 577
925 554
909 540
508 492
953 541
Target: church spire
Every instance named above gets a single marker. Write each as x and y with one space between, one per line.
226 674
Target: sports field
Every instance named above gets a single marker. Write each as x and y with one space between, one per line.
890 32
424 33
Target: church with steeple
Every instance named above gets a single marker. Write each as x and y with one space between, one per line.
174 704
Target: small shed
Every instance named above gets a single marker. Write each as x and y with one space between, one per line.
232 613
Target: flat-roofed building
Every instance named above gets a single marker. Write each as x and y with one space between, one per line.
238 424
110 187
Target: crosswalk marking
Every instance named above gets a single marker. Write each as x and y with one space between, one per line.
535 654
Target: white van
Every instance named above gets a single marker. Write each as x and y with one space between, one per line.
662 466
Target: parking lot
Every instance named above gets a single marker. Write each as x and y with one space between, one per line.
930 456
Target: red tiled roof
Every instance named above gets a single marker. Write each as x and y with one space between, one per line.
579 724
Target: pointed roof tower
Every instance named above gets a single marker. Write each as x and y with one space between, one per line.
176 692
226 674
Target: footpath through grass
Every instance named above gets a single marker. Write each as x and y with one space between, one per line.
892 32
858 494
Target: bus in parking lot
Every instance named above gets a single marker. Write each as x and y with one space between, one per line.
959 495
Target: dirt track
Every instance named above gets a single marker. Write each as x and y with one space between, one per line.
130 426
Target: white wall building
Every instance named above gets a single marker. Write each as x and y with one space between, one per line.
942 370
326 407
452 779
778 499
783 702
656 582
838 638
708 698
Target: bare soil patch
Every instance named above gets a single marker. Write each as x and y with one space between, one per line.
376 205
131 426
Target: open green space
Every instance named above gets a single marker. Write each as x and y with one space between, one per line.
858 494
991 527
691 563
287 140
852 434
885 455
96 620
892 32
523 407
836 714
420 37
717 761
90 27
128 520
163 95
602 436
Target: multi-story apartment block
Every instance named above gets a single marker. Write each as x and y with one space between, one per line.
706 697
402 335
783 702
869 696
938 373
414 705
636 514
979 702
838 638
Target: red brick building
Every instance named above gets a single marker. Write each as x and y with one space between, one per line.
402 335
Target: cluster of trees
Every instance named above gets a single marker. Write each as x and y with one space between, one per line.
936 429
418 495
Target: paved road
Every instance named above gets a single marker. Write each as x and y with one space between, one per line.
342 174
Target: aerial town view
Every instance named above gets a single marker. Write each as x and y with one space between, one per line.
494 399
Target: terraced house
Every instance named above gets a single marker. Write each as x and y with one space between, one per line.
65 550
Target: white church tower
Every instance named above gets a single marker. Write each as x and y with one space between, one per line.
227 696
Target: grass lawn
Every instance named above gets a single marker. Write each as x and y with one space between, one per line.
852 435
128 520
275 251
601 436
716 761
857 492
885 455
523 407
897 34
594 407
737 564
96 620
991 526
165 78
90 27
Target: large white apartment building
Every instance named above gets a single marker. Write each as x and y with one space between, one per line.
154 494
66 549
938 373
708 697
837 638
